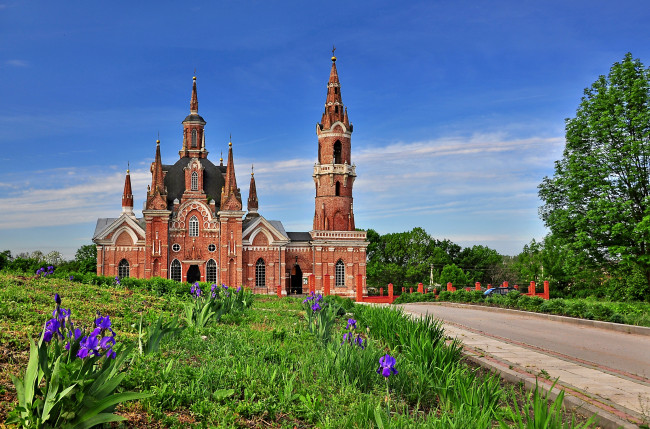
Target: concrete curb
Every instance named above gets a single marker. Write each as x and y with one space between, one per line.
605 420
618 327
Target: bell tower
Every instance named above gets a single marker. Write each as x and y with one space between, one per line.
334 172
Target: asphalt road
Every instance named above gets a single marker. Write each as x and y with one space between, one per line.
629 353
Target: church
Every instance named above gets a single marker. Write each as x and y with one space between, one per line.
194 228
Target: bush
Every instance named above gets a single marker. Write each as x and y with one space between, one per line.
554 306
575 309
601 311
617 318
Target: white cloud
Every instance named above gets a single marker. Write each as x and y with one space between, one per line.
484 185
16 63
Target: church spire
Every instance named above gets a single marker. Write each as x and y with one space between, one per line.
253 204
194 102
230 195
156 173
127 195
193 130
334 108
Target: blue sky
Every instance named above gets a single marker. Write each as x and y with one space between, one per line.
458 106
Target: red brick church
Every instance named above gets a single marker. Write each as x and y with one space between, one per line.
194 227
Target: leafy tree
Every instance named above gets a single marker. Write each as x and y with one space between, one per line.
86 257
598 200
478 261
5 258
454 275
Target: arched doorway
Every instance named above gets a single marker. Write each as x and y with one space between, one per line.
193 274
296 279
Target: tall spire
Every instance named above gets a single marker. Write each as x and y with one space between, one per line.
334 108
156 173
193 130
253 204
127 195
230 195
194 102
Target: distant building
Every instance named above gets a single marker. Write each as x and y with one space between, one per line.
194 228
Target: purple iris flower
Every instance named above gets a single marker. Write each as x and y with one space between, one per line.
74 336
238 289
224 287
110 354
57 299
103 323
346 337
107 342
71 278
386 366
315 306
351 324
51 327
359 342
306 300
213 287
89 345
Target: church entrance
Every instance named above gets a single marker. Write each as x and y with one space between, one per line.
296 280
193 274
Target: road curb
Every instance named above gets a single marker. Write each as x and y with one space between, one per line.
605 420
618 327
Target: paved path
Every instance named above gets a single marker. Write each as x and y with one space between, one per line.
602 371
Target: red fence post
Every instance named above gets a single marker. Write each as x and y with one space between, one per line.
381 291
420 288
403 289
477 286
410 290
359 288
531 289
312 284
505 284
517 287
326 284
390 292
450 287
279 291
547 290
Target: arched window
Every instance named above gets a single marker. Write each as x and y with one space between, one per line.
340 274
338 189
195 181
260 273
175 271
194 227
337 152
211 271
193 138
123 269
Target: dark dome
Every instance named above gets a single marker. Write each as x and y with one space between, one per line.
194 117
213 180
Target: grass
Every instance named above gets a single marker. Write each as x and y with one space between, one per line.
262 368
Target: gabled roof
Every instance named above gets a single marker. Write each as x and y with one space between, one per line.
274 227
105 226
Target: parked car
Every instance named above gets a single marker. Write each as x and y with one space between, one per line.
498 291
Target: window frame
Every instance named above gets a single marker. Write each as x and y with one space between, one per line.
176 264
260 273
339 280
123 269
193 226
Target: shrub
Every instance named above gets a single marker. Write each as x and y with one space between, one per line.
617 318
575 309
601 311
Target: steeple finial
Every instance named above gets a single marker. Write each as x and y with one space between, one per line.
230 195
221 159
333 57
252 170
127 195
194 102
253 204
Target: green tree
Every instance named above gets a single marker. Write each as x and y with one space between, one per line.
86 256
598 200
454 275
478 261
5 258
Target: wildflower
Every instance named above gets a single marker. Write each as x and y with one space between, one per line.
346 337
386 366
51 328
359 342
103 323
89 346
238 289
306 300
57 299
315 307
213 287
117 280
71 278
351 324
